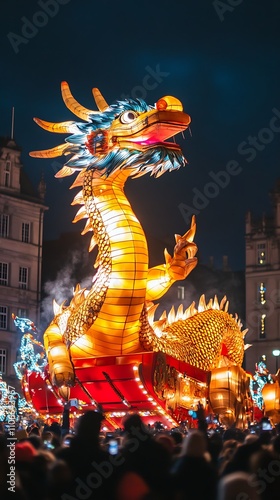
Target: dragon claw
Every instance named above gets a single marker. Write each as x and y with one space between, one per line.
183 261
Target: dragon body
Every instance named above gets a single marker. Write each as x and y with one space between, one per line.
116 316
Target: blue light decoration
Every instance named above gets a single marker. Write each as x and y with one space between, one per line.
11 402
258 381
30 360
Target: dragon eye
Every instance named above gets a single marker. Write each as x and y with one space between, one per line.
128 116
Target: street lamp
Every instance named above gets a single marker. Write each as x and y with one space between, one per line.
276 353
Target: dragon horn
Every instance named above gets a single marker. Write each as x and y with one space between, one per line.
73 105
99 99
60 128
50 153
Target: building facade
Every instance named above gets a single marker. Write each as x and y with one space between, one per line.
21 235
263 286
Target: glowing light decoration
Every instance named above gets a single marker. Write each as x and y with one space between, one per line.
129 138
30 360
261 378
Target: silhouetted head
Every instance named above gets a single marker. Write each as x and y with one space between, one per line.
89 425
131 422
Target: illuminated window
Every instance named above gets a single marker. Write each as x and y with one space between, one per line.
262 291
3 274
4 226
262 326
25 232
7 174
261 254
3 360
3 317
181 292
23 277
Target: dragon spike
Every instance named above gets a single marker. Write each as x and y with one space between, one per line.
59 128
99 100
167 256
73 105
87 228
57 309
190 311
246 346
78 199
158 332
180 312
244 332
65 172
201 304
92 244
171 315
210 304
159 324
96 264
151 312
81 214
223 301
77 289
50 153
78 182
163 316
216 304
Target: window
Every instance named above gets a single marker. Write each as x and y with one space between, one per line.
262 326
7 173
25 232
3 274
3 360
261 254
180 292
22 313
261 294
3 318
23 277
4 226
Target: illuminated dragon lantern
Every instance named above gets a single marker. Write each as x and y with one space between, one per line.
116 316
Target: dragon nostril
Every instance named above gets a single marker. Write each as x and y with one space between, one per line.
169 103
161 104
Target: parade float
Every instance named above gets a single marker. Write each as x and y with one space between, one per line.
106 349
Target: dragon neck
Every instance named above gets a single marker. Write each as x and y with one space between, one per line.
113 307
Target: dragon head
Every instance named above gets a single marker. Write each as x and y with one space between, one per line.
127 134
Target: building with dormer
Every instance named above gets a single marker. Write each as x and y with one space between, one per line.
21 236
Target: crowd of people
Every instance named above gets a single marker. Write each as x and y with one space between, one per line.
140 464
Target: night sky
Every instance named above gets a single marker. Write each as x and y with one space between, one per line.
221 59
